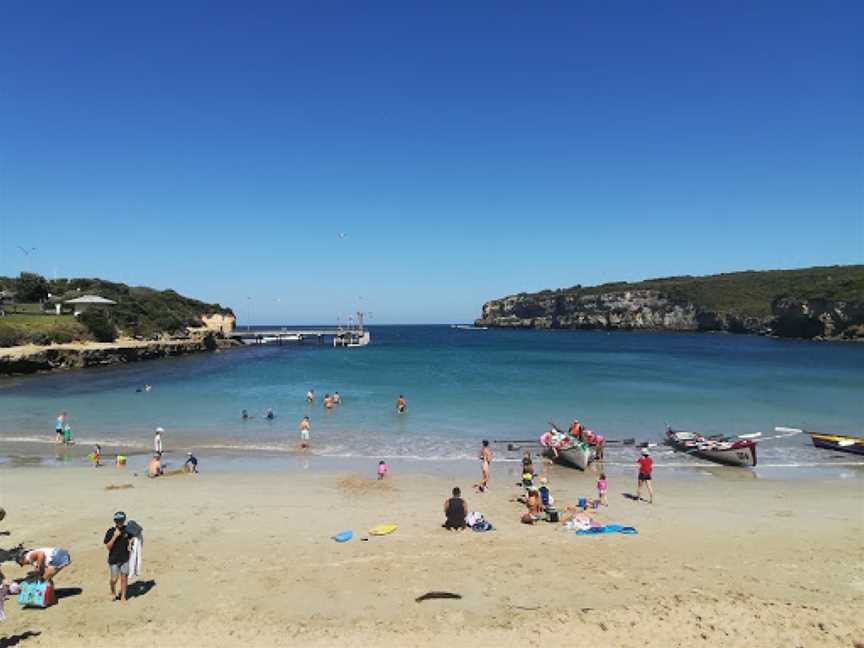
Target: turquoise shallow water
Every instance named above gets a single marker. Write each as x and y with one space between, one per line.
461 386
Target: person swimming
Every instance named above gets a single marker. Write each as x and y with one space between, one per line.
268 413
401 404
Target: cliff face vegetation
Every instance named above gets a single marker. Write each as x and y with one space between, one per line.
810 303
30 302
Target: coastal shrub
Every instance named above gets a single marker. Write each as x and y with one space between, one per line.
41 338
99 325
9 335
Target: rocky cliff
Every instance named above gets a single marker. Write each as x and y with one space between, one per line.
33 359
697 304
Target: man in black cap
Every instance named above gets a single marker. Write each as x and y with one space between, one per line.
117 542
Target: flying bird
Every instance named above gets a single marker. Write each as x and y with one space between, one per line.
342 235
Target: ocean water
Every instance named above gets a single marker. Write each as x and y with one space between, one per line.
461 387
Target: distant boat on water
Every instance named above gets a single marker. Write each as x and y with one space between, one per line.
469 327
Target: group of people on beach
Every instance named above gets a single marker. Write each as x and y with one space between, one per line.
538 501
123 541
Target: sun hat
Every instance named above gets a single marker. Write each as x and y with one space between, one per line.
644 451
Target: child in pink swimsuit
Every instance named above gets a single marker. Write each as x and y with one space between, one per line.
601 489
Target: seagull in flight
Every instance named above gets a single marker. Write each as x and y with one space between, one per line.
342 235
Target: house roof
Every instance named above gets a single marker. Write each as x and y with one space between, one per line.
89 299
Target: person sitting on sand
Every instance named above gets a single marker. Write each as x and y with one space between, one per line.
191 463
455 511
528 464
535 507
305 428
154 466
401 404
47 562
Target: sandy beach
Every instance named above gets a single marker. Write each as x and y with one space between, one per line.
246 559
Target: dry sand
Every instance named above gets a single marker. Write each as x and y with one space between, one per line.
246 559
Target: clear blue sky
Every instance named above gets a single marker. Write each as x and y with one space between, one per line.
468 150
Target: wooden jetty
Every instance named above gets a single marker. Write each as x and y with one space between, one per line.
349 337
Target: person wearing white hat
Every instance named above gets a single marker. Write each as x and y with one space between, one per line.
157 440
646 465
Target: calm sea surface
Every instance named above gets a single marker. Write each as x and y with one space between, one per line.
461 386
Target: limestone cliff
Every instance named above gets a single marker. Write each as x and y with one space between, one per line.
736 303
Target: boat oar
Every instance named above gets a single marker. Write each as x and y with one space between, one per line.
534 441
752 435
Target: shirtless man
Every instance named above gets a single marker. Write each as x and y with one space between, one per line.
305 426
401 404
328 401
485 459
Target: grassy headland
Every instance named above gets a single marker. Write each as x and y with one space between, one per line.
139 311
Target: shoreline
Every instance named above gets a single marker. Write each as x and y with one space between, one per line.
225 459
33 359
233 557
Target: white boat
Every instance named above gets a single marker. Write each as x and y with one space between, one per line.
469 327
561 448
731 452
575 456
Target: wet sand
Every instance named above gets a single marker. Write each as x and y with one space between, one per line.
241 558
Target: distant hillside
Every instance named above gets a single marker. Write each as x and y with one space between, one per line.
139 312
826 302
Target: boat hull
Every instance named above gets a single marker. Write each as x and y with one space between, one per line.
575 457
740 453
832 442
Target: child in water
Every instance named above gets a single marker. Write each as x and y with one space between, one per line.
601 489
382 469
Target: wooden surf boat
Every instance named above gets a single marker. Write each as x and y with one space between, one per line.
730 452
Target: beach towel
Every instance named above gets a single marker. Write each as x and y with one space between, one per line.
609 528
136 556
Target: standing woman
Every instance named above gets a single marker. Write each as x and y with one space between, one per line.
157 440
646 465
46 562
486 457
